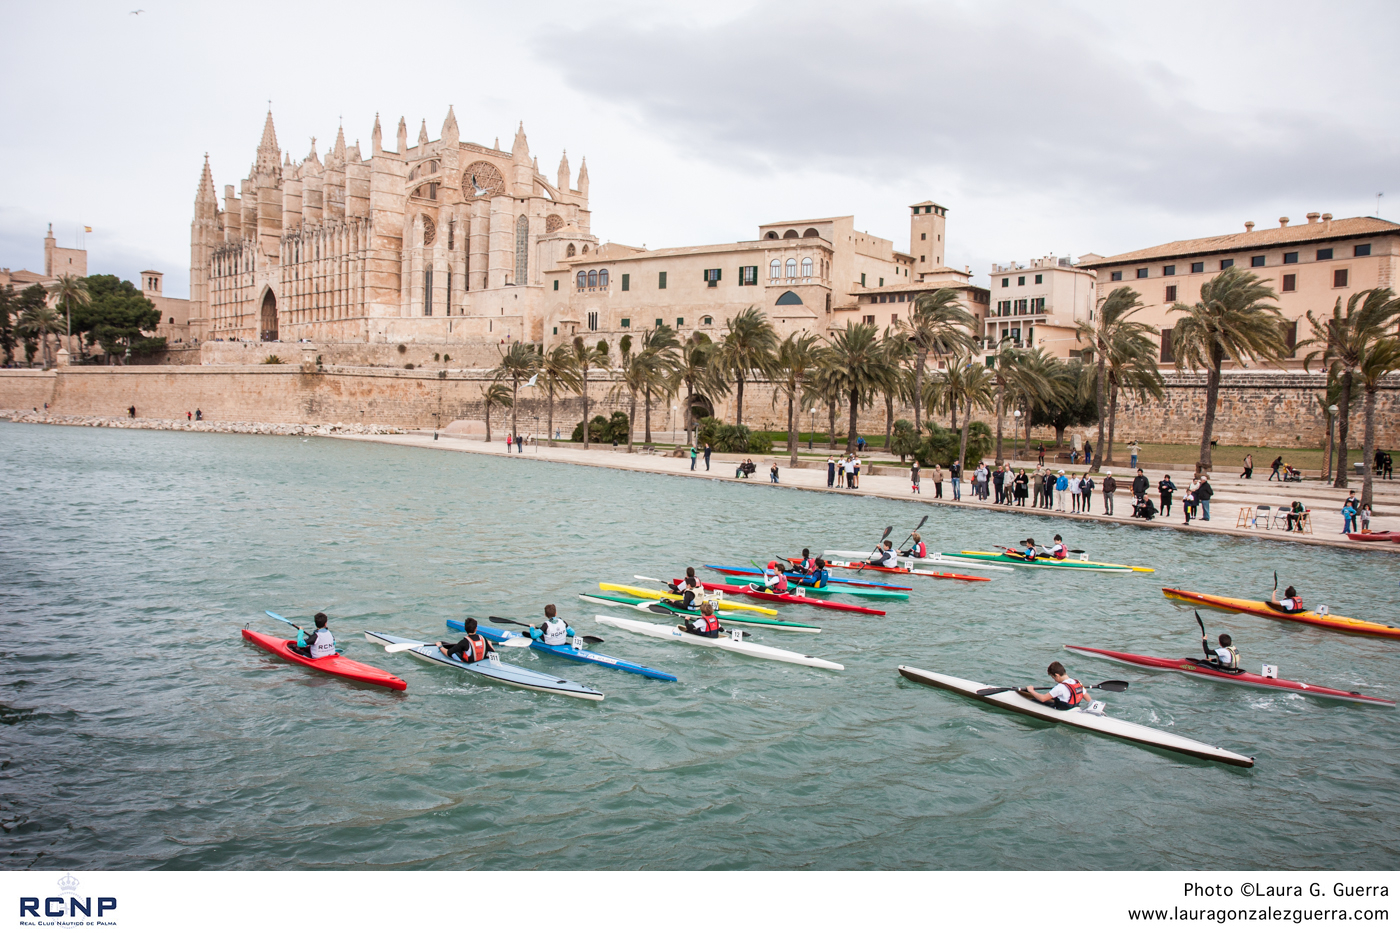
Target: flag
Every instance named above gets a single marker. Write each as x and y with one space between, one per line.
87 229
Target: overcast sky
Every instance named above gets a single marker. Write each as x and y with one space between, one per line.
1069 128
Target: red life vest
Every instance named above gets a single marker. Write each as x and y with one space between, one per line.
1059 551
921 549
707 624
476 649
1076 691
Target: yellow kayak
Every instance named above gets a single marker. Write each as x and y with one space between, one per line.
1266 610
727 604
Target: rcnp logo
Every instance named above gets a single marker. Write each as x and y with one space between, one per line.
68 906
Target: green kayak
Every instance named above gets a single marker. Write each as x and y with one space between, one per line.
1047 563
831 588
611 599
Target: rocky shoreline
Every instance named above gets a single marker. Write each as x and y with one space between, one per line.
209 427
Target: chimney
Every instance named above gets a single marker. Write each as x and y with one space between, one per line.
1249 226
1283 221
1327 222
1312 217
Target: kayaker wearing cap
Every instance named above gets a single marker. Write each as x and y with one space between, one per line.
1066 694
917 549
1290 603
1226 657
554 631
707 626
774 580
885 556
690 591
319 644
470 649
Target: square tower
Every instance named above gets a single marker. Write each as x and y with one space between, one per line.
927 243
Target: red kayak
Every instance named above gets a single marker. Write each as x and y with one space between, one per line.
1194 667
1371 535
336 664
785 598
863 565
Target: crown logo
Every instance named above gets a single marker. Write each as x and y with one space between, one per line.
68 884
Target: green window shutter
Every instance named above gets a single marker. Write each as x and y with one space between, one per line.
680 322
556 285
661 280
862 278
626 283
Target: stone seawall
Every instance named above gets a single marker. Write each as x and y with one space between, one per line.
1274 409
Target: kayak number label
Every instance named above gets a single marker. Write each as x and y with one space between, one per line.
578 642
1096 708
1270 671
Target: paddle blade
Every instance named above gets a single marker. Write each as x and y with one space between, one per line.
404 646
1112 686
1201 624
988 691
638 576
516 642
660 609
282 619
592 640
504 623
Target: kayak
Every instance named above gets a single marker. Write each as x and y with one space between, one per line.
645 593
1079 717
937 575
837 588
1196 668
643 605
1069 563
496 670
1256 607
792 598
933 560
569 651
725 643
1370 535
755 572
336 664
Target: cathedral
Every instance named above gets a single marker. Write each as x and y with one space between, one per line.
442 242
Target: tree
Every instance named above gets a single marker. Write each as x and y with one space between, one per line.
748 348
557 373
640 372
32 297
897 351
963 384
115 316
1345 339
68 292
1233 319
860 366
1009 371
797 358
1382 358
37 324
695 370
1071 402
824 386
1131 367
521 361
585 359
495 394
661 346
940 326
1111 328
9 308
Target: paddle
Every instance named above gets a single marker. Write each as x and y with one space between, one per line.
298 627
876 548
911 534
666 610
1112 686
513 642
510 623
1012 552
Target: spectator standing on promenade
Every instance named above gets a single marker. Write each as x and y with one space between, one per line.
1350 509
937 481
131 410
1278 462
999 482
1139 485
1086 493
1040 454
1018 488
1165 488
519 443
708 450
1088 452
1134 449
1365 516
830 472
198 415
855 472
1061 489
189 417
1110 486
955 476
914 478
694 454
1203 496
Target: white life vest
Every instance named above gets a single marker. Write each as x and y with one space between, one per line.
321 643
886 558
554 631
1229 657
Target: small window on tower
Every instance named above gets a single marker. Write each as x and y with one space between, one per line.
1039 279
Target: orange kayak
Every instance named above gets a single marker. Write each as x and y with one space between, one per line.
1256 607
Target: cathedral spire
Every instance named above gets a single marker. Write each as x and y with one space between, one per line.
423 134
403 136
520 149
583 177
268 150
376 138
206 202
339 150
564 171
450 134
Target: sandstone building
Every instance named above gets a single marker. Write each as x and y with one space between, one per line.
1039 304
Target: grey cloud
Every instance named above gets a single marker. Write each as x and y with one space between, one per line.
1031 96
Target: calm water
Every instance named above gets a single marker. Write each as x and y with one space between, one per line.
138 730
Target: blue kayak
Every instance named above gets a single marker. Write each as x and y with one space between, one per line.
493 669
564 651
792 577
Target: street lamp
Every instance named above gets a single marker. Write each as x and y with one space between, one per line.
672 423
812 429
1015 426
1327 466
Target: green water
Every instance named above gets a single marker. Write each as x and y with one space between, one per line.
138 730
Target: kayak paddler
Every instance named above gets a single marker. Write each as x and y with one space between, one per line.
1066 694
1028 552
1057 550
554 630
470 649
917 549
885 556
818 578
1290 603
707 626
319 644
690 591
774 580
806 566
1226 657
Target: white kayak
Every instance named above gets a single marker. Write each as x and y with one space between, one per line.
1079 717
724 643
914 563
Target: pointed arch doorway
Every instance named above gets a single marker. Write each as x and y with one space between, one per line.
269 316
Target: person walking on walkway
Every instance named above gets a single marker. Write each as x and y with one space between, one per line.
1165 488
1110 486
1278 462
708 451
1248 467
914 477
937 481
830 472
955 475
693 455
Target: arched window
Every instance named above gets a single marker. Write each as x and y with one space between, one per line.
790 235
592 278
570 250
772 235
775 268
585 249
707 320
792 268
582 279
807 268
602 278
810 231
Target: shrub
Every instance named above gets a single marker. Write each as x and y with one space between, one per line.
941 446
904 442
435 357
272 360
603 430
446 358
739 439
705 432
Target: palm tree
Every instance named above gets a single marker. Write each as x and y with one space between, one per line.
1345 339
494 394
749 348
1382 358
1048 381
940 326
861 367
824 386
661 344
39 322
640 372
897 350
585 359
1233 319
69 291
797 358
696 371
1111 328
521 361
1008 370
1131 366
963 384
557 374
